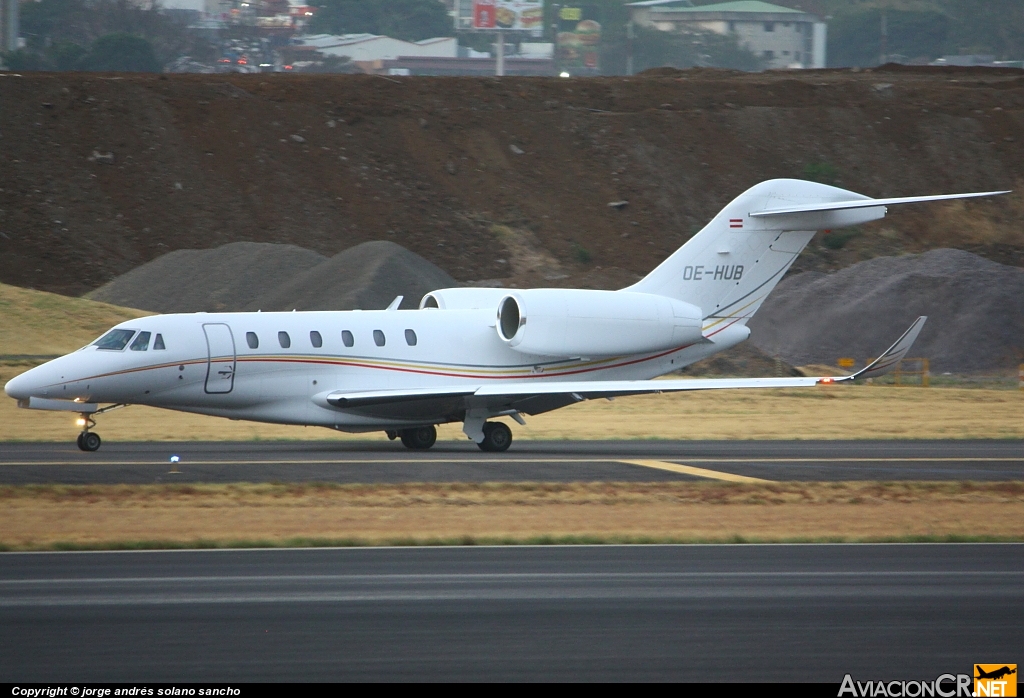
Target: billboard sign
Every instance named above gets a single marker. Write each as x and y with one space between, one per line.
579 39
525 15
484 14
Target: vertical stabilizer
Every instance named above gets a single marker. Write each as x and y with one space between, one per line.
730 267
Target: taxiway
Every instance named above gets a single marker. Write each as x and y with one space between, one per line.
534 461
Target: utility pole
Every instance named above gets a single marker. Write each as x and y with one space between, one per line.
630 35
554 38
499 65
885 36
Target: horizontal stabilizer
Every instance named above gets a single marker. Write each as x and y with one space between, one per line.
868 203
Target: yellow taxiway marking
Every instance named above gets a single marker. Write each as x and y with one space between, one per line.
691 470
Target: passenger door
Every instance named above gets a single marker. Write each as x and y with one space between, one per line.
220 367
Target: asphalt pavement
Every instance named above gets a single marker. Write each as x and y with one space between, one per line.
544 461
596 613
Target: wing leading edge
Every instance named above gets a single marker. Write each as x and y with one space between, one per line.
536 397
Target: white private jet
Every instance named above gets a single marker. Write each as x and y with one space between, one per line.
468 354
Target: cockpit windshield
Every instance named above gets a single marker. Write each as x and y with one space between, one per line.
141 342
115 340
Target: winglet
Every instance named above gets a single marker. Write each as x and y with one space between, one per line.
395 303
888 360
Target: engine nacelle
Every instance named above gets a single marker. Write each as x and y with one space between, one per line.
571 322
470 298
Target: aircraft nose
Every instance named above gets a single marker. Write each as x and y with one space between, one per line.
27 384
19 387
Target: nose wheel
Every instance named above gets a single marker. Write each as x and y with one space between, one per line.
89 441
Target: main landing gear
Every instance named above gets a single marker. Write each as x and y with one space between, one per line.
418 439
497 437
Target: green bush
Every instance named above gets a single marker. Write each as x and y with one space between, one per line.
837 239
822 172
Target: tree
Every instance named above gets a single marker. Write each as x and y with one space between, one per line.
411 20
121 52
855 38
58 32
653 48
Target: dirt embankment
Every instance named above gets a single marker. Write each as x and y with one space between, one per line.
489 179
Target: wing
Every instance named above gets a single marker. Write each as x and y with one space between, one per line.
537 397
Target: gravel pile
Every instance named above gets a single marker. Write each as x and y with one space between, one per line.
265 276
975 310
218 280
367 276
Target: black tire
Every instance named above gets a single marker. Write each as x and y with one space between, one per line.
497 437
79 440
91 441
419 439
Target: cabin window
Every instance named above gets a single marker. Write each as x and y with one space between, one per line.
769 26
115 340
141 342
158 343
284 340
252 340
347 338
378 338
410 338
315 339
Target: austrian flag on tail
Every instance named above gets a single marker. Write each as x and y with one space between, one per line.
735 222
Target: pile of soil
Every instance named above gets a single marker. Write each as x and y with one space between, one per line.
226 278
103 173
263 276
975 310
367 276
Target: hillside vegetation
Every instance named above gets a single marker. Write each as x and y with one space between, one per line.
36 323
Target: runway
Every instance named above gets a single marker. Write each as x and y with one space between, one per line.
534 461
693 613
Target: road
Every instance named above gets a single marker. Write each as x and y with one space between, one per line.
692 613
548 461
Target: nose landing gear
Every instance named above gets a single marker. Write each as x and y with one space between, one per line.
90 440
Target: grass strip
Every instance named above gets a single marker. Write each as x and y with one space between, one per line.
169 516
464 541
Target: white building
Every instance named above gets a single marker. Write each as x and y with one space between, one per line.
783 37
371 47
